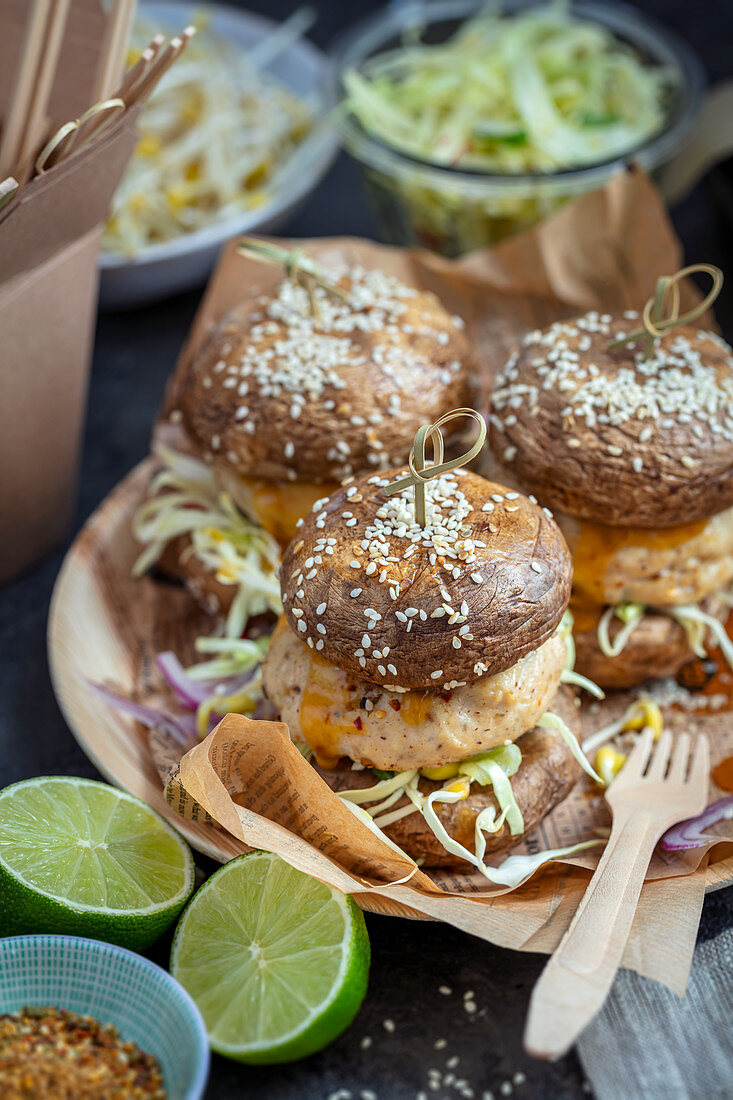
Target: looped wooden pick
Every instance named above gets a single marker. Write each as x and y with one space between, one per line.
419 474
654 322
79 132
297 265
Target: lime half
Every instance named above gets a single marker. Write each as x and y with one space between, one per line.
276 961
83 858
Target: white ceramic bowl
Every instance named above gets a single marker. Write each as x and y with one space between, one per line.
185 262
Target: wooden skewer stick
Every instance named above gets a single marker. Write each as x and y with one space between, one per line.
140 81
54 149
133 76
98 118
36 119
20 100
8 188
112 58
420 473
160 66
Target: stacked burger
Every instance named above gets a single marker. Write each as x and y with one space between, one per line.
421 665
291 392
630 441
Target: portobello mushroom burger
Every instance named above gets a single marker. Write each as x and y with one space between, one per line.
631 446
421 667
290 393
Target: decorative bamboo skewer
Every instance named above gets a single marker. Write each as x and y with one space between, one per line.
134 75
8 189
654 323
136 86
296 264
31 51
37 114
420 473
112 60
98 118
160 66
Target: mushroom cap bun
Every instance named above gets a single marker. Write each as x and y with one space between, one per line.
280 394
602 434
485 582
658 647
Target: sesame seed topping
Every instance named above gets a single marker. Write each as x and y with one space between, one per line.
674 386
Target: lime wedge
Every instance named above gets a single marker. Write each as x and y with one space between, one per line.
83 858
276 961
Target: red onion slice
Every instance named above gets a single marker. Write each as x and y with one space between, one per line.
189 692
182 727
691 833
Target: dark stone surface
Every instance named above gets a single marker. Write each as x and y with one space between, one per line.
134 353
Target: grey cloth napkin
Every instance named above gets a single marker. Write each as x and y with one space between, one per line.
648 1044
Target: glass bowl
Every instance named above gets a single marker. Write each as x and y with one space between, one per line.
453 210
115 986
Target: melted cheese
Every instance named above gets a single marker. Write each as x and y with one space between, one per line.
327 711
597 545
586 614
277 505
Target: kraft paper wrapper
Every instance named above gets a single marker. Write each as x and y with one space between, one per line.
49 244
604 251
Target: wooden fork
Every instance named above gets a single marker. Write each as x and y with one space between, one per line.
646 799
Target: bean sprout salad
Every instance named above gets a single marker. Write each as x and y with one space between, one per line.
215 137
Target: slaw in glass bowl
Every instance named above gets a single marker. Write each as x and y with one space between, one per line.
467 129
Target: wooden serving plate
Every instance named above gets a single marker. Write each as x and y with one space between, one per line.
93 637
105 626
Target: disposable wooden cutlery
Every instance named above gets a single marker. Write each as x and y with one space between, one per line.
658 786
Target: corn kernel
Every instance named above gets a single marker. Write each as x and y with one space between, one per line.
176 197
461 786
644 712
609 763
442 771
148 146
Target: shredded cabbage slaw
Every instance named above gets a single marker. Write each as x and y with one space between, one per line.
536 91
695 622
184 499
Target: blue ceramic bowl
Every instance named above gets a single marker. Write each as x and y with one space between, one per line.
114 986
